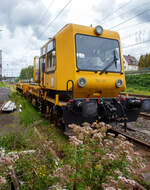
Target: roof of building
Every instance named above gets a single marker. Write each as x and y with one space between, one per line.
131 60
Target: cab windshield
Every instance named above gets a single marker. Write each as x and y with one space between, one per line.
95 53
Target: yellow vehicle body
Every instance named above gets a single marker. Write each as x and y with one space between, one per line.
78 75
23 87
66 67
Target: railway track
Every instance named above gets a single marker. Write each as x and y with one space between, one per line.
145 116
131 138
136 95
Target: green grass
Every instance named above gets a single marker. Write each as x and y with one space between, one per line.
29 114
2 84
138 84
18 141
30 117
25 138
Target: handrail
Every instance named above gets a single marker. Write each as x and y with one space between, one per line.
72 87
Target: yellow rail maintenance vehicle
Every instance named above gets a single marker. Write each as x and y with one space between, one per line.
79 76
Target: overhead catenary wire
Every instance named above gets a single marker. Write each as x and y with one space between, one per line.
50 5
138 32
147 4
130 19
122 15
135 34
59 13
44 13
133 25
121 7
136 44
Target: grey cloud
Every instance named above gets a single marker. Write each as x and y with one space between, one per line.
125 11
142 6
24 13
139 8
104 10
28 14
140 13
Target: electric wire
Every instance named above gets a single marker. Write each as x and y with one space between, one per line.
132 26
129 11
136 44
132 34
121 7
129 46
44 13
130 19
135 34
59 13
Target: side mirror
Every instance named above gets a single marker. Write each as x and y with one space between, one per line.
145 107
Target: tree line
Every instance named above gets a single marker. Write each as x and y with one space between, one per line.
26 73
144 61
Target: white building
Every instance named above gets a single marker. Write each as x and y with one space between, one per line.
130 63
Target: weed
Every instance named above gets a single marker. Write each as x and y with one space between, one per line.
18 141
35 171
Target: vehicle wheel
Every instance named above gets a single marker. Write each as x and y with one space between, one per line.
57 117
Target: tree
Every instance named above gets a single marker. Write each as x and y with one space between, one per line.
144 61
141 61
26 73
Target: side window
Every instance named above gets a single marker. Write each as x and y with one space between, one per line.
42 64
51 61
51 56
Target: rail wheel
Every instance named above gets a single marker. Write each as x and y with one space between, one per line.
42 106
56 116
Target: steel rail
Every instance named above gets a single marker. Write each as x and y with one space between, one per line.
130 137
136 95
144 115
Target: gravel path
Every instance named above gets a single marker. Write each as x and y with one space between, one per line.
4 93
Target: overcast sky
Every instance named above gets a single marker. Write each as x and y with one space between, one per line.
27 24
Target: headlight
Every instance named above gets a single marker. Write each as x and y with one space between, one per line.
119 83
99 30
81 82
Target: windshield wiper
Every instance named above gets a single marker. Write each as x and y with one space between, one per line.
110 64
